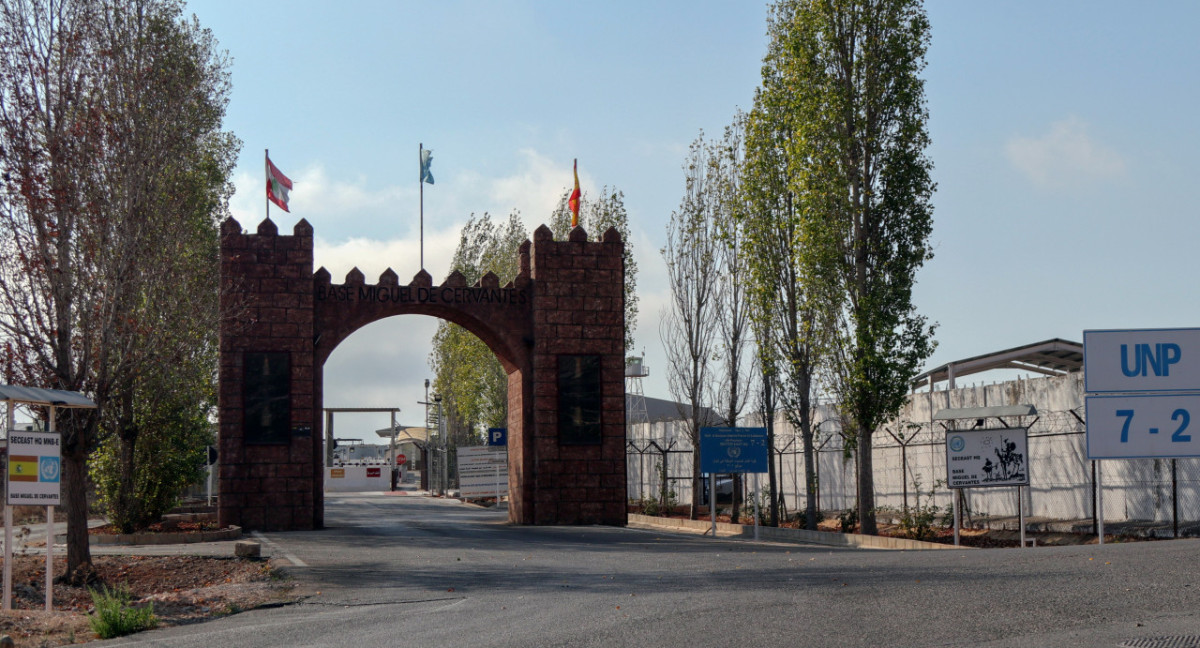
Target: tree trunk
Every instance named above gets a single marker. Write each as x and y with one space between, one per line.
128 513
694 508
866 484
773 512
79 555
664 497
736 496
810 478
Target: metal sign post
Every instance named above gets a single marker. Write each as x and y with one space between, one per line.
10 424
33 471
712 501
1142 386
987 458
50 531
1099 502
756 512
732 450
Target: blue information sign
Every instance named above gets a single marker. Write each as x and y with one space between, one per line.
733 450
497 436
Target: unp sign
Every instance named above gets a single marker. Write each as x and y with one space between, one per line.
1142 393
1141 360
34 468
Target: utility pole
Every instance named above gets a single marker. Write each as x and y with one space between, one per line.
429 451
445 471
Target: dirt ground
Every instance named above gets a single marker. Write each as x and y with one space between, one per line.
981 538
182 589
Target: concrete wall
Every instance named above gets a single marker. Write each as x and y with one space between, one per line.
1060 474
358 478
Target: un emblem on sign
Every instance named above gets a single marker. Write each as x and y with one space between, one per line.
48 469
733 452
957 443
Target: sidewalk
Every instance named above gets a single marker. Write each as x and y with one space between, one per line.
1135 528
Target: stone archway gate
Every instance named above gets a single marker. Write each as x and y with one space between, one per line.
558 330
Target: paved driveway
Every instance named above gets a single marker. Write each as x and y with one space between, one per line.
413 571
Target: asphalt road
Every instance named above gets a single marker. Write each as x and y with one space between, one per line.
413 571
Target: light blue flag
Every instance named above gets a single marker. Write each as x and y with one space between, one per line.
426 161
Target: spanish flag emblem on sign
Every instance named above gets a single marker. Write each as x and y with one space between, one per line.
23 468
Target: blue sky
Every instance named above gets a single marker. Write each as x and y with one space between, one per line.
1064 144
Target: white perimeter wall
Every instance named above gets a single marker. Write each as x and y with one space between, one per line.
1061 476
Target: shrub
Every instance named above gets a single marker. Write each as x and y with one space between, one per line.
848 520
115 616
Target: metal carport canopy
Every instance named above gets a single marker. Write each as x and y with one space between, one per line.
47 397
1054 357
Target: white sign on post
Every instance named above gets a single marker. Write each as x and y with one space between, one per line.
1141 360
34 468
482 471
1144 426
982 458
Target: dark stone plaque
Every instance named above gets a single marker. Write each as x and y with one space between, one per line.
268 397
579 400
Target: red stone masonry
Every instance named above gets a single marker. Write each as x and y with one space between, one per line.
267 306
578 309
566 300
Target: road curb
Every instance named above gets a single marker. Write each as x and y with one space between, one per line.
779 534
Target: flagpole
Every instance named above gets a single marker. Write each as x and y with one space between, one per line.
267 196
421 186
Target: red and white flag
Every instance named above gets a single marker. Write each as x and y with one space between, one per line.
278 186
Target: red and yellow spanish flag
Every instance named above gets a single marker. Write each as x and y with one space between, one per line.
23 468
573 201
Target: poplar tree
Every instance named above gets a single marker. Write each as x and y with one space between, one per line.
689 327
791 298
857 165
467 373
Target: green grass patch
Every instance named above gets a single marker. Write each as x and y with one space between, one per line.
115 615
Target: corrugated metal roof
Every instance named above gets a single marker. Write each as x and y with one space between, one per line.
39 396
1053 357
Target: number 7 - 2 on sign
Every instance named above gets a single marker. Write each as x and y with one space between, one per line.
1142 426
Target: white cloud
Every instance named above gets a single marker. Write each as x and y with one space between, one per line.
340 208
1065 156
327 203
533 188
373 256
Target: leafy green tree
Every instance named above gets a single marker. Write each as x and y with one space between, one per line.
467 374
115 174
856 160
162 183
786 268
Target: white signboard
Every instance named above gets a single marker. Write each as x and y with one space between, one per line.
1145 426
1141 360
482 471
34 468
984 458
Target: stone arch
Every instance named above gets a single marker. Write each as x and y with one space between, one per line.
558 325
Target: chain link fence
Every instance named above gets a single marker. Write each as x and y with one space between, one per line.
910 465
